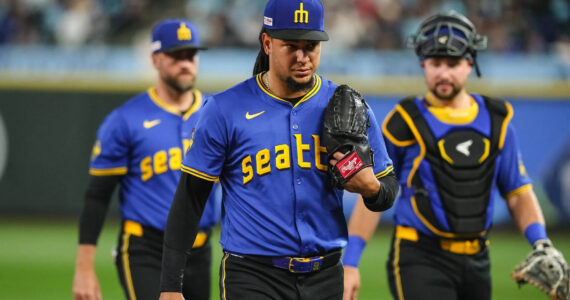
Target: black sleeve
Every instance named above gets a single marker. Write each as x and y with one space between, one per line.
389 188
97 199
183 221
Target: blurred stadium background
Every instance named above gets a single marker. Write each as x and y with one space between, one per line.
65 64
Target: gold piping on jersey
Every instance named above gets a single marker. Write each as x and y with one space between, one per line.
397 268
389 135
385 172
108 172
127 267
198 174
195 105
224 276
505 123
310 94
173 110
458 116
520 190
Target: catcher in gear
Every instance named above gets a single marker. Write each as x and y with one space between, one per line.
451 150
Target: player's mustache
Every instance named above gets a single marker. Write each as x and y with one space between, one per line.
185 72
444 82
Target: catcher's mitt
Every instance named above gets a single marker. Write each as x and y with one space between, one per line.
345 130
546 269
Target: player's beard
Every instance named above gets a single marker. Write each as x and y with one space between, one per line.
295 86
449 96
181 86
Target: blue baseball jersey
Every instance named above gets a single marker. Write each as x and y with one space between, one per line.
271 162
145 140
509 177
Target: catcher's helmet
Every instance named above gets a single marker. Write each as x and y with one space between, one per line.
447 34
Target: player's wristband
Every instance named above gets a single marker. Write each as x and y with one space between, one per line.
535 232
353 251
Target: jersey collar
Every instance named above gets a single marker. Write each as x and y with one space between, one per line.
171 109
458 116
310 94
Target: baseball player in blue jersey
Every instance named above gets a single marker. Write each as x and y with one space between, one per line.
141 145
451 150
282 221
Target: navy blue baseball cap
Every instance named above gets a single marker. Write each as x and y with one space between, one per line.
295 20
174 35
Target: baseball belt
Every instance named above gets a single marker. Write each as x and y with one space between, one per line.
463 247
299 264
137 229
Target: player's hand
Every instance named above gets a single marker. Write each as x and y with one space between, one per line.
351 283
171 296
364 182
345 129
86 285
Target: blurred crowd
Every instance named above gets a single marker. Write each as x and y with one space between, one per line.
513 26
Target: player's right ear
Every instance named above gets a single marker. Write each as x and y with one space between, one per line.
155 58
266 42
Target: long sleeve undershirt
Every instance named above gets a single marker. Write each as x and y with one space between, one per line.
97 199
183 222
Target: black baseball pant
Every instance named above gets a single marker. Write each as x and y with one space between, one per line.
139 260
243 278
422 270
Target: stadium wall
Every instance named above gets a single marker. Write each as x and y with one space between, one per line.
46 137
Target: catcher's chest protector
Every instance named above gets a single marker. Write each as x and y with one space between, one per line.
462 163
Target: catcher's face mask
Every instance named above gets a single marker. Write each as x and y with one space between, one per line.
448 35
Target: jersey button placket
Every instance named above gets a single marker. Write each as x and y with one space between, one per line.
297 178
295 128
293 118
183 134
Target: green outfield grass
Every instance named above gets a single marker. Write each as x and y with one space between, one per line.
37 261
